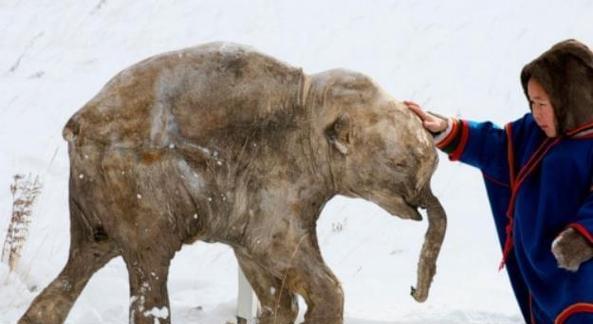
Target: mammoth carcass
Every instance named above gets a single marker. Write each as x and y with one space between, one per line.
221 143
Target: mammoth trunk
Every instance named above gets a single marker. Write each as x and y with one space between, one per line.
437 224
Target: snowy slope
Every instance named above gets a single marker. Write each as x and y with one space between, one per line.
456 57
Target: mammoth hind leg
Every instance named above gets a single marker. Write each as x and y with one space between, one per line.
88 253
56 300
148 270
278 304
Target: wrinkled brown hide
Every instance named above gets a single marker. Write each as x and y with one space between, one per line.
223 144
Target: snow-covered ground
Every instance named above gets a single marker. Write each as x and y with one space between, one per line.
458 57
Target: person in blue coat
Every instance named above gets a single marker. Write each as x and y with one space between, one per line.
538 172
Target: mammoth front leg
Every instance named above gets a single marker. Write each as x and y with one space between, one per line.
278 304
302 270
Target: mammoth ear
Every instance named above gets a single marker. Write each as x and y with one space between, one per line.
338 133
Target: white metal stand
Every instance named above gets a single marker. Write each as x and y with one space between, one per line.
247 302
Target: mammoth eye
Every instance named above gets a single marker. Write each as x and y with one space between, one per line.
397 164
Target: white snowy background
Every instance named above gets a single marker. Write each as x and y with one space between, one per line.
458 57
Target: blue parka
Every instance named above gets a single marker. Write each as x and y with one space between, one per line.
537 187
540 186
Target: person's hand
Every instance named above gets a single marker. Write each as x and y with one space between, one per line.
571 249
433 123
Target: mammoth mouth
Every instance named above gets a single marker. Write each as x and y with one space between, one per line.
399 207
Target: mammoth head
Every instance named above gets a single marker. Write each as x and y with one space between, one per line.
379 150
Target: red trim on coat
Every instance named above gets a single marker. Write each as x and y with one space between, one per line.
578 129
508 243
452 134
582 230
498 182
534 160
573 309
584 137
537 156
583 132
531 317
455 155
510 153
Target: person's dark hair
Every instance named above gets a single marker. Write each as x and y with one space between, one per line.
565 71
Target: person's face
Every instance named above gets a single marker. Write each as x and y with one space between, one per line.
541 108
